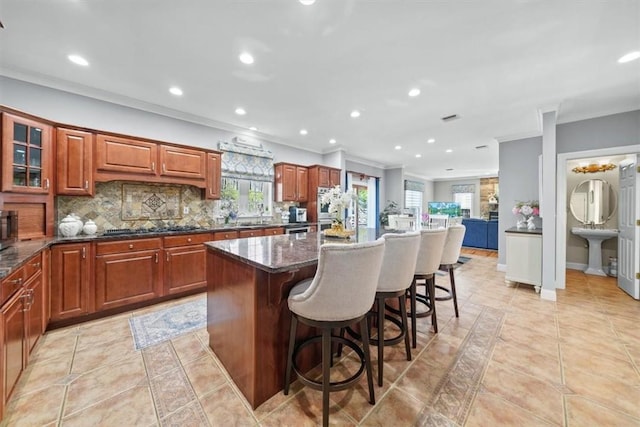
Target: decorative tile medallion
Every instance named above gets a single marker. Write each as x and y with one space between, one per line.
150 202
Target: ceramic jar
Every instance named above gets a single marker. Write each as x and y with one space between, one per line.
90 228
68 226
78 221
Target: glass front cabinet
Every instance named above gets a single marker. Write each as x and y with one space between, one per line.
26 149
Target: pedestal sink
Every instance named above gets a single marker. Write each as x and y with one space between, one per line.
595 237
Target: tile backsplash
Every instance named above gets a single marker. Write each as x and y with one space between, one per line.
113 201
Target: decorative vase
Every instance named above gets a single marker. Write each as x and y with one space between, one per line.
68 226
521 224
530 224
90 228
78 221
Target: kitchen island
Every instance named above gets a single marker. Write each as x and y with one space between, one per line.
248 283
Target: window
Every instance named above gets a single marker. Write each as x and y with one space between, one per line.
465 200
412 199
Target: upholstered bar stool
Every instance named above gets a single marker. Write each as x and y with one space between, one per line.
427 263
340 294
396 274
450 255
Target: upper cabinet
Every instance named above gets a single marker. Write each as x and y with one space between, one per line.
323 176
74 155
140 160
26 155
121 155
182 162
214 172
291 182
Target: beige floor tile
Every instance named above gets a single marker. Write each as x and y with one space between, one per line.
584 412
421 380
600 364
204 375
191 415
529 393
397 407
35 409
489 409
188 347
609 392
529 338
104 383
536 364
106 353
44 373
132 407
55 344
223 407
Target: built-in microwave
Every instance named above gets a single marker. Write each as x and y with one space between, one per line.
8 228
323 210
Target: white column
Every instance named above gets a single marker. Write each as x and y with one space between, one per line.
549 172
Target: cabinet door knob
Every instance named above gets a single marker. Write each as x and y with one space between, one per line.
167 256
86 184
17 281
36 265
153 166
156 257
46 183
131 246
164 167
189 239
84 252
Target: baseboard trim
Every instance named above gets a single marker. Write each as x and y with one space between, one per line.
576 266
501 267
548 294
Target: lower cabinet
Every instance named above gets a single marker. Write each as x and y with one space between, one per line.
524 258
14 349
34 310
70 280
184 263
127 272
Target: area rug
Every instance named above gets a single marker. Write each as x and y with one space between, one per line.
162 325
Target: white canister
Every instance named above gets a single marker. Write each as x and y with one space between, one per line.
68 226
90 227
78 221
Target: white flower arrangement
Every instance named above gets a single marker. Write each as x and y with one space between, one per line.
338 201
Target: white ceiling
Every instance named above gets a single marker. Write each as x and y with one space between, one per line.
495 63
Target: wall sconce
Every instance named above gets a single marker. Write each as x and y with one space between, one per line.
593 167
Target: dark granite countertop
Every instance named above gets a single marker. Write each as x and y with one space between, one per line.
523 230
15 256
276 254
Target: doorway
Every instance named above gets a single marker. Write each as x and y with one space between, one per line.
366 190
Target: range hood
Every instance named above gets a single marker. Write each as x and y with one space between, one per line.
244 161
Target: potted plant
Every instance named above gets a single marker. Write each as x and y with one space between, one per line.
390 209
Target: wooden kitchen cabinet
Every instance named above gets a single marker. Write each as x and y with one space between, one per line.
34 310
123 155
225 235
291 182
26 155
74 154
184 263
322 176
182 162
214 171
14 355
251 233
127 272
70 280
274 231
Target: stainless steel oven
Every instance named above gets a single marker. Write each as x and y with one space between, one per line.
297 229
323 210
324 224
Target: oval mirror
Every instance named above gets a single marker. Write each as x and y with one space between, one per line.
593 201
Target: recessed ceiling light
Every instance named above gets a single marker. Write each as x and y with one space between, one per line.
414 92
253 128
307 2
240 111
246 58
175 90
418 156
430 141
449 150
629 57
332 141
78 60
398 147
355 113
303 132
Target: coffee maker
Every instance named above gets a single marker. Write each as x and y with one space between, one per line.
297 214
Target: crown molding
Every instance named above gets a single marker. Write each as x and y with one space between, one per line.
517 136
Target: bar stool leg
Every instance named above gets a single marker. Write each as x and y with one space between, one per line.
380 338
292 343
367 359
326 374
431 288
405 322
453 290
412 293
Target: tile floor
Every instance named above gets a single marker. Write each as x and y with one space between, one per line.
510 359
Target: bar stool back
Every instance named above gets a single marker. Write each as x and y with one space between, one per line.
450 255
428 261
396 274
340 294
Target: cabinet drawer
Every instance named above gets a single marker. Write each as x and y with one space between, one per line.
225 235
127 246
273 231
186 240
33 266
12 283
251 233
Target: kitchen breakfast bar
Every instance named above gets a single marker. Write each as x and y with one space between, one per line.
248 283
